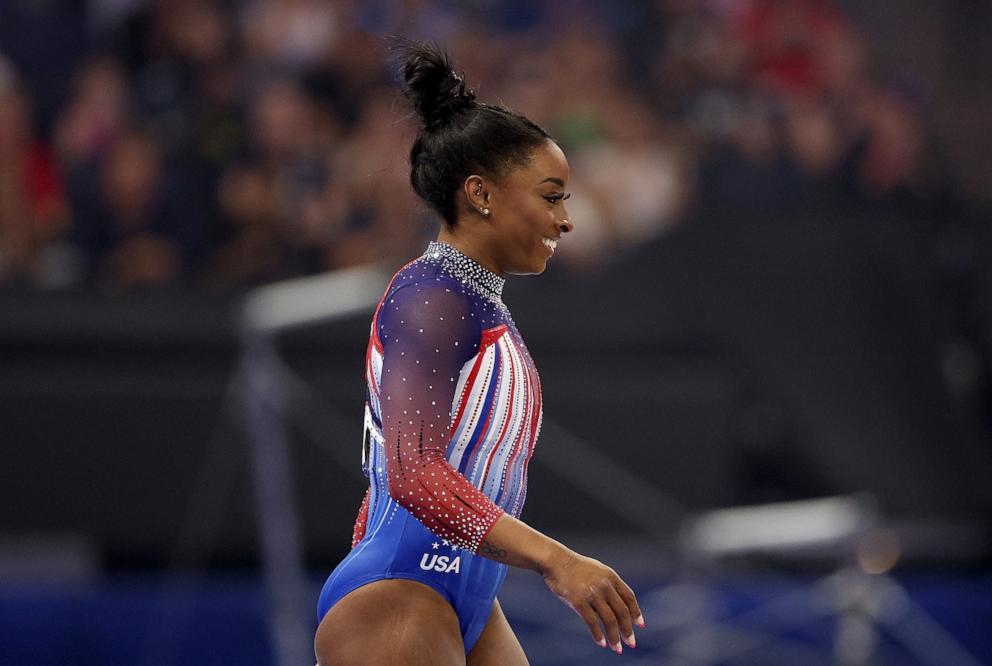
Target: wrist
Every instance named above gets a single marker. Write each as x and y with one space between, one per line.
554 558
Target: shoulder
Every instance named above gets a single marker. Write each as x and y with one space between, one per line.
426 289
430 302
427 277
425 280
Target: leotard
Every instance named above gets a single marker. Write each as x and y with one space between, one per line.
452 413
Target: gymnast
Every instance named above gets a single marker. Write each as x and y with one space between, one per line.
453 408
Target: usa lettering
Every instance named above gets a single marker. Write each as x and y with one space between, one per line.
441 563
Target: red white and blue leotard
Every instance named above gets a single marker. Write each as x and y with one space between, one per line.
453 410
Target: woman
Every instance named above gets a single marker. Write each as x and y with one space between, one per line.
453 408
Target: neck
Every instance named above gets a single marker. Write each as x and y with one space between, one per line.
469 246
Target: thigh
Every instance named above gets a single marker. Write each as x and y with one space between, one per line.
390 622
498 645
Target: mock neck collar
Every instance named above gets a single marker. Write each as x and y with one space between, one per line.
467 269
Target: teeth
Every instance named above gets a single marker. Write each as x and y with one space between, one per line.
550 243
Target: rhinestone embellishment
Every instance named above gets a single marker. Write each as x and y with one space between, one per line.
468 270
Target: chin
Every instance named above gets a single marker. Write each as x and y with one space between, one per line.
530 264
533 269
536 267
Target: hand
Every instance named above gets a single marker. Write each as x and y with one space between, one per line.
599 596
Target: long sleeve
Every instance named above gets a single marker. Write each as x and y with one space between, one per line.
429 330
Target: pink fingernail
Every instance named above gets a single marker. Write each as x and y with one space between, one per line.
601 642
640 621
631 641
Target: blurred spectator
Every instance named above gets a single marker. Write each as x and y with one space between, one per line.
282 124
371 211
252 251
813 137
894 145
290 146
204 141
290 34
34 218
95 115
221 145
139 251
635 178
786 40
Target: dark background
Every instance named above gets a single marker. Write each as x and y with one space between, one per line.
741 361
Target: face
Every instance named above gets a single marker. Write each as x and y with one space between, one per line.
528 212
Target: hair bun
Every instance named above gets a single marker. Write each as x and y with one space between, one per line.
433 87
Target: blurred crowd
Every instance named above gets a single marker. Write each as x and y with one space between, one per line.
220 144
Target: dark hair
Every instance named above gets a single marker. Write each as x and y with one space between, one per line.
459 136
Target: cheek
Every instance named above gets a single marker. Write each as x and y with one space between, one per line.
536 218
529 229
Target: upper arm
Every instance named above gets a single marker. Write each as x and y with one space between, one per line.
428 332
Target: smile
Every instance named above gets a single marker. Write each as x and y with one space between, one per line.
550 243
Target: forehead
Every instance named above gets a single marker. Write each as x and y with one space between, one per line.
547 161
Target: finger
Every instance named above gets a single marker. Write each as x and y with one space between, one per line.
592 621
622 614
630 599
609 620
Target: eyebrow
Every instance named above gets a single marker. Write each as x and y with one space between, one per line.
557 181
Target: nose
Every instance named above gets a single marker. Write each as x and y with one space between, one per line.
565 225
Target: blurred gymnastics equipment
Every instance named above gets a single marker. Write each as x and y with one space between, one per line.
860 595
846 531
269 311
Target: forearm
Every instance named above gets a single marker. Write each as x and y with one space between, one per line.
513 542
437 495
587 586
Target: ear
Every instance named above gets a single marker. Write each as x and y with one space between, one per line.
478 195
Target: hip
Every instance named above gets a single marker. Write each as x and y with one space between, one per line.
402 547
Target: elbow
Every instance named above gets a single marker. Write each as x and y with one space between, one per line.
405 479
408 479
403 490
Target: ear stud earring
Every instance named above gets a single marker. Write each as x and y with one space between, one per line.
485 211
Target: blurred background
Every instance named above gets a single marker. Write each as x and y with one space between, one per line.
778 295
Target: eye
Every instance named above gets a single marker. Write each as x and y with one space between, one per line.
556 198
